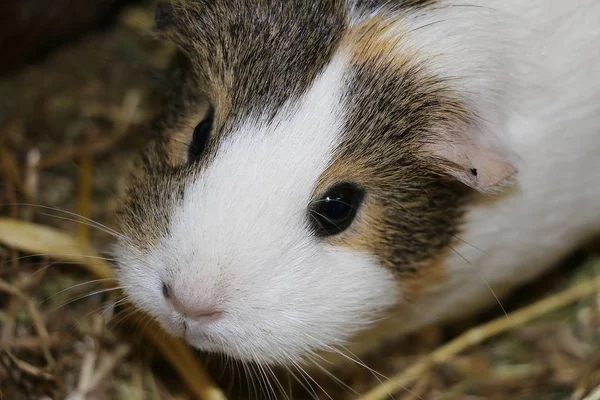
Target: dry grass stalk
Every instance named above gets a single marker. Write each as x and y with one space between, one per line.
32 370
594 395
31 343
481 333
36 239
124 116
36 316
93 373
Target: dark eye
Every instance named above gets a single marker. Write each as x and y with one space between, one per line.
335 211
200 137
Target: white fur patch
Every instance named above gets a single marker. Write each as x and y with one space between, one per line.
240 242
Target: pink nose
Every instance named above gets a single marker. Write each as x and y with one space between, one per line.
198 314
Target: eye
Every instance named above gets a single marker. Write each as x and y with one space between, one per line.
334 212
200 137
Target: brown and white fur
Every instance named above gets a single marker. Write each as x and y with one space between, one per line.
472 126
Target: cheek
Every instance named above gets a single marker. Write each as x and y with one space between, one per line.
416 262
139 281
354 284
335 289
365 235
425 275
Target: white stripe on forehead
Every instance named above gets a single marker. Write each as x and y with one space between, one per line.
266 170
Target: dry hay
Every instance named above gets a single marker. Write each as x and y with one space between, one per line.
67 128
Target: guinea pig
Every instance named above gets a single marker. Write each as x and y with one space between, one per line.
331 174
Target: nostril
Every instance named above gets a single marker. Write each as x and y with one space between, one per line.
166 291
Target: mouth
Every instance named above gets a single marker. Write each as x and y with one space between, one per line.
194 337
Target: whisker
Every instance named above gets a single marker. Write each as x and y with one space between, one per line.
83 297
54 255
265 379
237 372
324 217
360 363
469 244
123 318
255 384
98 224
302 371
100 228
355 359
249 382
95 281
483 279
277 382
377 374
104 309
332 201
132 312
309 389
116 304
332 376
224 361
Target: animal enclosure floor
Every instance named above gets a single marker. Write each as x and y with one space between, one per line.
68 127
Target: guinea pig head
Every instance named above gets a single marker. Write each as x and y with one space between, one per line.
299 185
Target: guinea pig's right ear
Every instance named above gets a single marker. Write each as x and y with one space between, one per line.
479 163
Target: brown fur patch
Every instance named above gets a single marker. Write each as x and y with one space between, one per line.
179 137
411 212
373 40
429 273
253 56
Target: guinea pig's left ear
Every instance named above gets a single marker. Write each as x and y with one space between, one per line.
480 164
166 21
170 22
164 16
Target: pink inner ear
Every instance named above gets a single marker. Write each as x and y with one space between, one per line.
482 168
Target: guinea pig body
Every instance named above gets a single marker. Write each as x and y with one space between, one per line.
333 174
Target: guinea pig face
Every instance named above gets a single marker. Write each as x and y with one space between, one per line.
251 262
233 225
289 199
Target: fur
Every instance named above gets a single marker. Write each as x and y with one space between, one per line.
472 125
